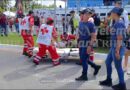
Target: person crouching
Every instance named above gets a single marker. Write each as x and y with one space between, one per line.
47 35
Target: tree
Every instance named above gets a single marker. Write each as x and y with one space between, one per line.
24 4
4 4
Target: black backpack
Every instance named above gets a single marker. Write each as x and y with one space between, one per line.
127 42
36 21
97 20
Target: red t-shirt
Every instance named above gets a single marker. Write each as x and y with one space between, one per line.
67 37
3 19
20 12
16 21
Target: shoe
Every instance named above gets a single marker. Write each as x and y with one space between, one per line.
107 82
36 62
128 73
79 63
29 56
97 68
119 87
45 56
25 53
125 69
56 63
82 78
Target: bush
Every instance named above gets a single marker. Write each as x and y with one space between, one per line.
129 17
1 9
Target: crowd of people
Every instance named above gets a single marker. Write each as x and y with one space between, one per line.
84 29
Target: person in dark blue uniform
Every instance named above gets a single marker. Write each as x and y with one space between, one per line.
118 34
87 37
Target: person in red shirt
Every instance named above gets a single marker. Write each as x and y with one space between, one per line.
26 25
3 24
10 22
19 13
67 38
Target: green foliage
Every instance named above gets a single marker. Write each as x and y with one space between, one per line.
13 9
129 17
38 6
1 9
3 4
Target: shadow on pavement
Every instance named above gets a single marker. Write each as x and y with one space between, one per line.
22 73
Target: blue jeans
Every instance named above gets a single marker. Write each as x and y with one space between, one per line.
17 27
85 60
4 29
118 64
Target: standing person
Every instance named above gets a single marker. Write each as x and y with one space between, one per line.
127 53
3 24
63 24
17 25
36 24
87 36
10 23
126 21
46 38
124 14
74 21
118 33
26 25
92 21
72 13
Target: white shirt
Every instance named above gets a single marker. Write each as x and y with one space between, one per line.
25 23
126 18
45 34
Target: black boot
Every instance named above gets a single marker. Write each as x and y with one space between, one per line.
25 53
82 78
97 68
119 87
29 56
36 62
107 82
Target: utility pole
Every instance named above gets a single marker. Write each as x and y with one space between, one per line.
55 12
66 14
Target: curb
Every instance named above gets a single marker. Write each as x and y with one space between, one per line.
100 57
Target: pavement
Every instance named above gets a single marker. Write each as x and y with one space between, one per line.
18 72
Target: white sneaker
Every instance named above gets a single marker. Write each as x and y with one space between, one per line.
125 69
128 73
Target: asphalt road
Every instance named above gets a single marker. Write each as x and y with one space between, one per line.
18 72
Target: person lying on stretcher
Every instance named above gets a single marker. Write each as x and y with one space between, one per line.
66 40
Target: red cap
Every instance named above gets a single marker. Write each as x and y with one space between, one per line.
49 19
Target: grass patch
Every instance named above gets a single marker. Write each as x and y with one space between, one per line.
15 39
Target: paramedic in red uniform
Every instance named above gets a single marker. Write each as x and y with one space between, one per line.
26 25
46 39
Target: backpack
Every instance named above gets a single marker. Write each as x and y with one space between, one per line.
97 20
127 41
